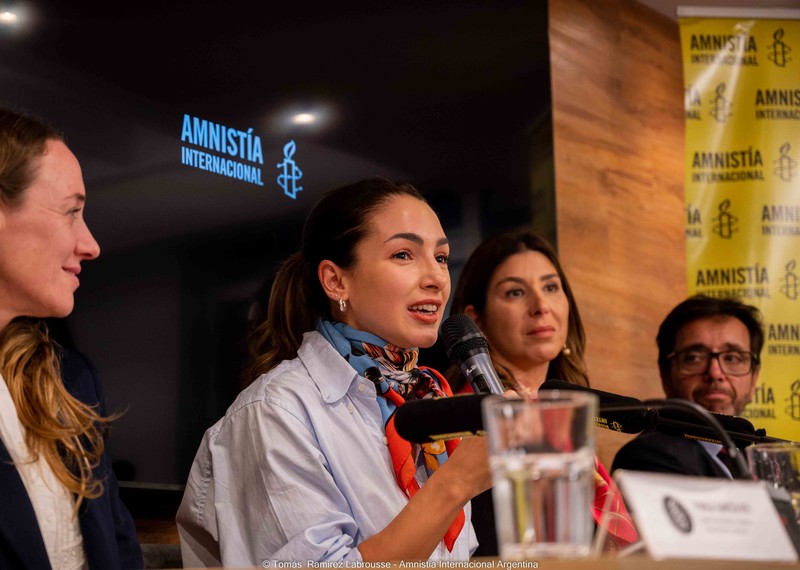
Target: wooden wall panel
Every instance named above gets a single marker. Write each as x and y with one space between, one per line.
618 145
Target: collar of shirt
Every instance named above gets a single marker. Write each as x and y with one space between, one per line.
332 375
713 451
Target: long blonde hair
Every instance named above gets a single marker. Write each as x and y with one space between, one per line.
58 427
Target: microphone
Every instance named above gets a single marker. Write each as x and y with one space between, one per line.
689 430
634 420
638 416
466 346
435 419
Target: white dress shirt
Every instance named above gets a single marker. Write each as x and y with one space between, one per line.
298 469
713 450
52 502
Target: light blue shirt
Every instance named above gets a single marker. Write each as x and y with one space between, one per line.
298 469
713 450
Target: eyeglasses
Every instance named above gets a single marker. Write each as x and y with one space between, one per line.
698 361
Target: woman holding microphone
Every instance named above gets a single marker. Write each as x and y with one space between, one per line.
305 465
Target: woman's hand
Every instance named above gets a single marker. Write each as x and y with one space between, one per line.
430 512
469 466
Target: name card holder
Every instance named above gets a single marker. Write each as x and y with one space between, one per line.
678 516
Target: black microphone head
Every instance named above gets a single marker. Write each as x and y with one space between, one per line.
675 421
462 338
736 424
625 421
434 419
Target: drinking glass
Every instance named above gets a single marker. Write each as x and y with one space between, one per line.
779 465
542 455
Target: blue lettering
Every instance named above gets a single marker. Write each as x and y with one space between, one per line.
186 130
200 132
258 155
231 150
214 140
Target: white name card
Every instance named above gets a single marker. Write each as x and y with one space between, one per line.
697 517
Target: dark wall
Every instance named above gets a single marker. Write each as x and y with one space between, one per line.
450 96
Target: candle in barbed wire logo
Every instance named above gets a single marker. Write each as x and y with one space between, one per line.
778 51
789 282
725 223
785 166
720 106
793 409
290 174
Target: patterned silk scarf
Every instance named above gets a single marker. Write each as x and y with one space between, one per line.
397 379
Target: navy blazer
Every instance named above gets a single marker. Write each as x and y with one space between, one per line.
664 453
109 535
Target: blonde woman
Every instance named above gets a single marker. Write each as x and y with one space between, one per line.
60 507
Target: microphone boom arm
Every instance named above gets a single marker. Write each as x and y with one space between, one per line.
714 427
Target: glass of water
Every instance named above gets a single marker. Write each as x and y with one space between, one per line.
778 464
542 455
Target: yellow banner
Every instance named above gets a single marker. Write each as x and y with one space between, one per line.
742 189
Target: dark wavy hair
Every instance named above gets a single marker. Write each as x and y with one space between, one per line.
473 285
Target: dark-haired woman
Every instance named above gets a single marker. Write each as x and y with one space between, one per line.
305 465
515 290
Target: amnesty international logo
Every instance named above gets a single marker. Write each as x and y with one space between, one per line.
793 409
725 224
742 172
228 151
720 106
778 52
290 173
789 282
678 514
785 165
736 49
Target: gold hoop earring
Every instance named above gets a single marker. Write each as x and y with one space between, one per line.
342 305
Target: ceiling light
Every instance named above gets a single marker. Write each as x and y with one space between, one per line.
7 17
304 118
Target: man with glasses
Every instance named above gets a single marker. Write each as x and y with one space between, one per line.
708 352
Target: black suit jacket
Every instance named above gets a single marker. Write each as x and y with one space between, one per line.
663 453
109 536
